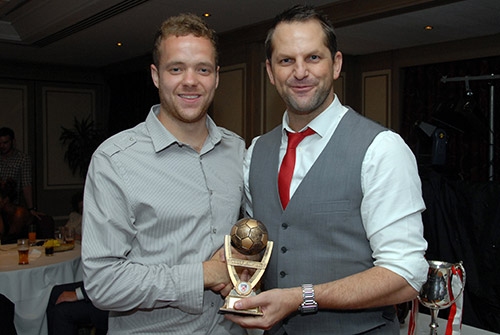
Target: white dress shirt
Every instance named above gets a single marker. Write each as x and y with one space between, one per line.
391 212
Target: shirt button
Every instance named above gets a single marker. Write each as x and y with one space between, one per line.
282 274
284 226
284 249
214 230
212 304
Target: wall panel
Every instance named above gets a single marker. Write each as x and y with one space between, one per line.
60 108
229 100
377 96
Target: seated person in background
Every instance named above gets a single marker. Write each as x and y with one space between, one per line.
70 308
75 217
7 316
14 219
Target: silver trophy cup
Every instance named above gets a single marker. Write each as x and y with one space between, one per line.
439 292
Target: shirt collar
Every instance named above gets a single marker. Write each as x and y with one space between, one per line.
162 138
321 123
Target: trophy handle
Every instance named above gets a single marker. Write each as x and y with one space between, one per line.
461 275
265 260
230 269
259 266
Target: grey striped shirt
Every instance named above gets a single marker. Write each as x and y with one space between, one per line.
155 209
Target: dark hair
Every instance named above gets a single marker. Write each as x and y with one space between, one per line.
183 25
4 131
302 13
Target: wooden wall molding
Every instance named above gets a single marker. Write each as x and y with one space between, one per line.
376 90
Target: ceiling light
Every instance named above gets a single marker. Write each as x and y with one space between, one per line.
207 14
429 27
119 44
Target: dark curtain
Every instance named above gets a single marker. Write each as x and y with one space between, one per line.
462 220
462 114
462 223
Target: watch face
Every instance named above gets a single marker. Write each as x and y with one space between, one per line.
305 309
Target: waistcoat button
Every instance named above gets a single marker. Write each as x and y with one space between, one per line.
284 225
282 274
284 249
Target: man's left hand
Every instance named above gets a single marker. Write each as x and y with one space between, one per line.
275 305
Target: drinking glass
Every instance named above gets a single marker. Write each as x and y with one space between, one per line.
23 249
32 234
69 235
59 236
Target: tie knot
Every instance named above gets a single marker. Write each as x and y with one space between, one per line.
295 138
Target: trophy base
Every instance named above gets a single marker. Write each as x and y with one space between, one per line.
229 307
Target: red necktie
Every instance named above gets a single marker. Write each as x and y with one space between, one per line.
288 165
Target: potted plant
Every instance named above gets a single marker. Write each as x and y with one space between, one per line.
81 141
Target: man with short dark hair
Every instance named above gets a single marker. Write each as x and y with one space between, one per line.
340 196
16 165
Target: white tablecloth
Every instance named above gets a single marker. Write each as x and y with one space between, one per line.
29 286
422 327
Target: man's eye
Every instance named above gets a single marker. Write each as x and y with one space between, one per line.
175 70
286 61
314 57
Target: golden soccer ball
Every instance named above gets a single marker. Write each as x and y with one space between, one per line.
249 236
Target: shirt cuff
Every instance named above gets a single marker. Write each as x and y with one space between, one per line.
79 293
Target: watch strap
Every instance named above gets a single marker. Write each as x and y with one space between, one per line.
309 305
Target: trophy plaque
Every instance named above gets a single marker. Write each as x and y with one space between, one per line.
443 287
249 237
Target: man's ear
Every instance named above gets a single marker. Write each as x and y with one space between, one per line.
155 76
217 76
337 65
269 71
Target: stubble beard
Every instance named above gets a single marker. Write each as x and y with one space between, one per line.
309 107
175 111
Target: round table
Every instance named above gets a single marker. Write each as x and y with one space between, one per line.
29 286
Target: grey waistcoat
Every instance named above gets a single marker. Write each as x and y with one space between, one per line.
319 237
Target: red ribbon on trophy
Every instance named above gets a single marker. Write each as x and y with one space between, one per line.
442 275
454 325
413 317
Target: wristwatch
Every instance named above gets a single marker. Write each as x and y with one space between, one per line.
309 305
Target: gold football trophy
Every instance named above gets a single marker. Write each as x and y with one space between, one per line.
249 237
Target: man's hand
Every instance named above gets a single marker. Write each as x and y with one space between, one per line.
67 296
36 214
215 276
275 305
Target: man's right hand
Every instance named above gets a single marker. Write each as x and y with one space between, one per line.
67 296
215 275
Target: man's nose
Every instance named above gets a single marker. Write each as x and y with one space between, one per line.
190 78
301 71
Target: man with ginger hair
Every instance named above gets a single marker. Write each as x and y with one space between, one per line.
160 197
